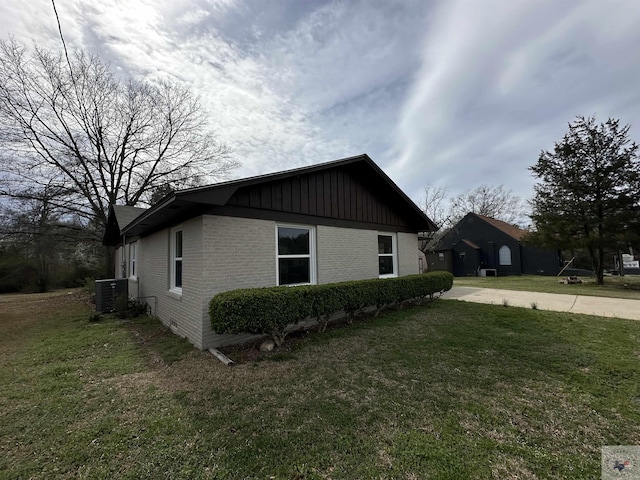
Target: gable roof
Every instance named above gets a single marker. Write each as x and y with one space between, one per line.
126 214
463 228
511 230
354 191
119 217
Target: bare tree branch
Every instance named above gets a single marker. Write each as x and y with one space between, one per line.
102 140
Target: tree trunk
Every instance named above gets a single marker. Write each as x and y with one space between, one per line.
110 261
600 270
597 266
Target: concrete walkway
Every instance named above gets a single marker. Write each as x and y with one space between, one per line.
601 306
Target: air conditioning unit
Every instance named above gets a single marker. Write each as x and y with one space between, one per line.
107 291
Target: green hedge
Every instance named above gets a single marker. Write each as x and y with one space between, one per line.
270 310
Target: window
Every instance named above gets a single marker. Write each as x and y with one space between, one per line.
387 262
295 255
176 261
132 259
504 254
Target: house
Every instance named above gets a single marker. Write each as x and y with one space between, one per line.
332 222
479 245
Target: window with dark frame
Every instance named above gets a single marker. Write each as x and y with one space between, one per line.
295 255
386 255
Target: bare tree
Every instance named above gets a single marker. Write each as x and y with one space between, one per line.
434 204
70 124
495 202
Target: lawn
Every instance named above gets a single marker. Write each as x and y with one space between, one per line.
450 390
614 286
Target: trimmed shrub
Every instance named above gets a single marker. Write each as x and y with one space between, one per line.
271 310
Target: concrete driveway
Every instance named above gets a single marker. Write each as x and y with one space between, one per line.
601 306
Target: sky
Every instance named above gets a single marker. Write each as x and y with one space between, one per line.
452 93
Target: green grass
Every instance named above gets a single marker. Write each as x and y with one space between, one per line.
450 390
616 287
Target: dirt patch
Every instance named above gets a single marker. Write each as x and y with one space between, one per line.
18 300
22 315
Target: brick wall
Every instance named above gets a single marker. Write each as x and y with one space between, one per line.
180 312
238 253
408 254
225 253
345 254
120 251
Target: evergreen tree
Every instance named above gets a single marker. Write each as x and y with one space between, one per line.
588 195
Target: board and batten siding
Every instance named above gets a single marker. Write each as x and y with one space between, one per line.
339 194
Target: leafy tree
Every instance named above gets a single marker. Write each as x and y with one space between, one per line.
101 139
588 195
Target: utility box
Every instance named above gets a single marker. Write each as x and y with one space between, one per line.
107 291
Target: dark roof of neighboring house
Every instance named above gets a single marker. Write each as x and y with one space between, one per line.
470 243
463 228
511 230
183 204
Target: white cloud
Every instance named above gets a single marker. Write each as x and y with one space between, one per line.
451 92
500 81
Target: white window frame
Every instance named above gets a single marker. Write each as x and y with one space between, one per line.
173 259
393 254
133 251
502 260
311 256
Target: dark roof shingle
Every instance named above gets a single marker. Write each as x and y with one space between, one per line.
126 214
511 230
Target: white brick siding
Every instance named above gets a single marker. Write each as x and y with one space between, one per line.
346 254
408 253
238 253
225 253
180 312
119 254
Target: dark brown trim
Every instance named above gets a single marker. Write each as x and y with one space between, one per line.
285 217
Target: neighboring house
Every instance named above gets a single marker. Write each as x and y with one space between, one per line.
333 222
479 245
